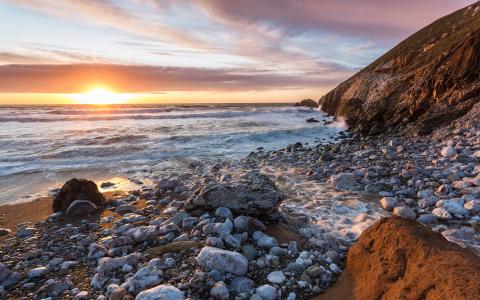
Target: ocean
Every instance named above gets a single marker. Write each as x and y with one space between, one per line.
43 146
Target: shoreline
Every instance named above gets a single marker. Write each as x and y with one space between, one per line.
323 205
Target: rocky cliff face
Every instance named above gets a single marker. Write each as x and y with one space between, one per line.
425 82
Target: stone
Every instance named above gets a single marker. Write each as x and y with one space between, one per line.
26 232
243 224
314 271
80 208
253 194
224 212
7 277
249 251
448 152
219 291
222 260
144 278
388 203
405 212
343 182
4 231
37 272
161 292
173 247
77 189
263 240
96 251
276 277
53 288
472 206
454 207
81 295
427 218
240 285
118 294
267 292
441 213
106 264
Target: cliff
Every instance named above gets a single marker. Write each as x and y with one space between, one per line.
423 83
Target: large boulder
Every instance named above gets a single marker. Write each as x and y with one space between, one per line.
252 194
77 189
307 103
222 260
401 259
161 292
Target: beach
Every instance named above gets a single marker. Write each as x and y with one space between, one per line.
306 208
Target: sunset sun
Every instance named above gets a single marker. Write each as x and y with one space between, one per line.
101 96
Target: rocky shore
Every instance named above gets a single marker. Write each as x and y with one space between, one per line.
275 225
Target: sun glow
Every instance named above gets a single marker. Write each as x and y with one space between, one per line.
101 96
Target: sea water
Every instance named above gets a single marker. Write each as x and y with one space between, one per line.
43 146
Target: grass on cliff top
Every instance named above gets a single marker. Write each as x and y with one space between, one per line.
457 25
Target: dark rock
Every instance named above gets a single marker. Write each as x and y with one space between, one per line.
77 189
312 120
252 194
81 208
307 103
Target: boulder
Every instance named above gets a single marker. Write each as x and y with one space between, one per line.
161 292
222 260
77 189
307 103
81 208
252 194
401 259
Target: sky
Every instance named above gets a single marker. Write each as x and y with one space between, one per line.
196 50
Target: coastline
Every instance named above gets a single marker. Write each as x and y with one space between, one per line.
320 193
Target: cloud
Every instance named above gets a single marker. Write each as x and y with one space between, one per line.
368 18
149 79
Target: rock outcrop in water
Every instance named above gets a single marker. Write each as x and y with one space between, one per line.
401 259
307 103
423 83
73 191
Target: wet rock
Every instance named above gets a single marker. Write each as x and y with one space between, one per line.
161 292
253 194
312 120
77 189
222 260
344 182
307 103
